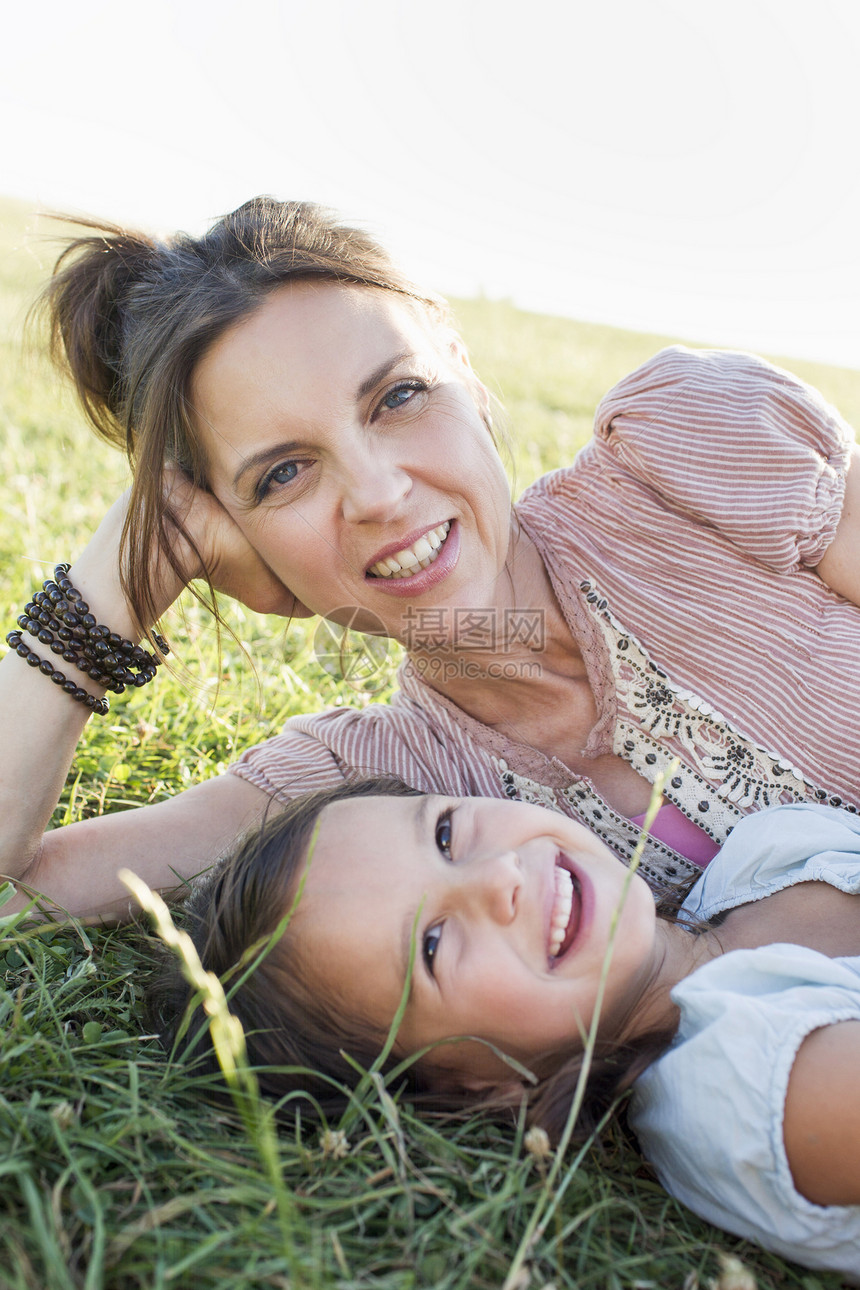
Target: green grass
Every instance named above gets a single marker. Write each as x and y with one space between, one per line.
118 1169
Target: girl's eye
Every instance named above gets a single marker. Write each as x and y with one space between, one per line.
445 833
284 473
401 394
429 947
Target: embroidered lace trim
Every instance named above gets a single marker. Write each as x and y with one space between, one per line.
722 775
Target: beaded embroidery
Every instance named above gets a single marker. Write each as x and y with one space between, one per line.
721 777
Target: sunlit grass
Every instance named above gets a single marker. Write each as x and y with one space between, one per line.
119 1168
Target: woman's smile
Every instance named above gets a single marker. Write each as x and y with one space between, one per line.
417 572
417 554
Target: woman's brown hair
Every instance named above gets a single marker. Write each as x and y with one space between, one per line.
130 317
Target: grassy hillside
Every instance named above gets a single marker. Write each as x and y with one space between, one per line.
119 1170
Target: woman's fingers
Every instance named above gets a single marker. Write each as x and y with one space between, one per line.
205 541
223 552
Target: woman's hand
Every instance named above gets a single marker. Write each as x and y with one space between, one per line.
232 564
222 551
43 724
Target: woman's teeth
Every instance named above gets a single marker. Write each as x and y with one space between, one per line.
562 906
412 558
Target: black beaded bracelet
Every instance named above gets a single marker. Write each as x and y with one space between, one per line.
60 618
104 662
65 601
100 706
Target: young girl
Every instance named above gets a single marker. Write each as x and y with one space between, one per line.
731 1017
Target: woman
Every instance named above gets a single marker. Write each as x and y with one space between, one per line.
306 431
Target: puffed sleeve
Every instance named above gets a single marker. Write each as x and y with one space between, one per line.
709 1113
736 443
397 740
288 765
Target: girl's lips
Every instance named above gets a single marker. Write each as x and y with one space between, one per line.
417 583
580 908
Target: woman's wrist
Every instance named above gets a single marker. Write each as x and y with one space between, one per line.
96 574
58 634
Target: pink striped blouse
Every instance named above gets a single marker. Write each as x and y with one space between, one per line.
681 545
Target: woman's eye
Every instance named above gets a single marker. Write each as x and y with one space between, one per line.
401 394
429 947
284 473
444 833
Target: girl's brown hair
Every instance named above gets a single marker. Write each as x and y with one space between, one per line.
130 317
300 1040
296 1037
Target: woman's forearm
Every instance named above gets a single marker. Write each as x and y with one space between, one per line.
76 866
41 724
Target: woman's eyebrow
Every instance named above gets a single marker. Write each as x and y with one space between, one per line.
380 374
264 456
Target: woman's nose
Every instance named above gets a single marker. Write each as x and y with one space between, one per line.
374 488
490 885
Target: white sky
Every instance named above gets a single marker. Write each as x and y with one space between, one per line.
683 166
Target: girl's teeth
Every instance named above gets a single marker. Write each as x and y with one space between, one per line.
561 910
418 556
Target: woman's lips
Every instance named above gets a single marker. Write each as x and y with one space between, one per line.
404 561
417 583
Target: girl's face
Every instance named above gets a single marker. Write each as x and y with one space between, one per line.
342 432
510 906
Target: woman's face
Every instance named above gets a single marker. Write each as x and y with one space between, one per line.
510 907
342 435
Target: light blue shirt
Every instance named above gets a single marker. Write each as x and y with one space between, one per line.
709 1113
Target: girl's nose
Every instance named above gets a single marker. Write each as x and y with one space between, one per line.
490 885
374 488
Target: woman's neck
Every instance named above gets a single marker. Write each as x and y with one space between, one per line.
494 661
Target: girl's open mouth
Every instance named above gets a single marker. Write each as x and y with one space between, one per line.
566 911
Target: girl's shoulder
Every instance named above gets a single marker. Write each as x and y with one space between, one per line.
777 848
709 1113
